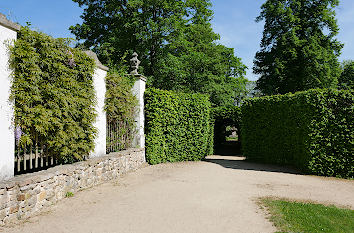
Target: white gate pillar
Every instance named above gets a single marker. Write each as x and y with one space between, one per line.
99 81
138 92
8 34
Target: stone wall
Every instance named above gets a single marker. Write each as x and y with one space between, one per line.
26 195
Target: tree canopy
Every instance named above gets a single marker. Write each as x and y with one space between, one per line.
174 40
298 49
346 79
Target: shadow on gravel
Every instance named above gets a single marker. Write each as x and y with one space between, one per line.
233 159
250 166
230 148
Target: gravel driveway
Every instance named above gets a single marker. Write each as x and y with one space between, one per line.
217 195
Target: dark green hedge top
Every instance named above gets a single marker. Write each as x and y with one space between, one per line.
227 115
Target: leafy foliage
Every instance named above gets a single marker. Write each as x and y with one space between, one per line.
177 126
69 194
311 130
202 66
120 106
53 94
346 79
298 49
223 117
174 40
114 27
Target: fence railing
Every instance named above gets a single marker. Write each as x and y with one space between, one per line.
119 136
32 158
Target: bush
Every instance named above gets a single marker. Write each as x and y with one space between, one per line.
177 127
311 130
53 94
223 117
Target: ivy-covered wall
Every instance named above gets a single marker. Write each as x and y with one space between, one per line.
178 126
312 130
52 88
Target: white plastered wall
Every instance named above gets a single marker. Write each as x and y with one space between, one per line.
100 124
138 91
6 109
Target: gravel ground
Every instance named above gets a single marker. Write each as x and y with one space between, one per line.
218 195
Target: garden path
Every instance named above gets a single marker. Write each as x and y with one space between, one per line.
218 195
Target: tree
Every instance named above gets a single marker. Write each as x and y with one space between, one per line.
113 27
195 63
174 40
346 79
298 49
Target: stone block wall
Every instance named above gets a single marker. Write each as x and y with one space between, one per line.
24 196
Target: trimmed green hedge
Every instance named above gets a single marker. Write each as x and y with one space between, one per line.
311 130
178 126
225 116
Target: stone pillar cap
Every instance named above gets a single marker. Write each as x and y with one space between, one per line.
9 24
94 57
139 76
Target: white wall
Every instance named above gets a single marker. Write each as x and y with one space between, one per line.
7 147
138 91
100 124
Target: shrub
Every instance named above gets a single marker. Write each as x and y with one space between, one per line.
177 126
53 94
311 130
223 117
120 106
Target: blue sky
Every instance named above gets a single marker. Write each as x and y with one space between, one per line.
234 20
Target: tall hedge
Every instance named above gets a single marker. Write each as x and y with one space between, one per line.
53 92
177 126
311 130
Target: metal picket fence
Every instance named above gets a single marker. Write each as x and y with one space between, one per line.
32 158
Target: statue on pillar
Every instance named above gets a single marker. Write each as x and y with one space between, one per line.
134 64
138 91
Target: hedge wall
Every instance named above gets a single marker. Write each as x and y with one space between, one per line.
311 130
177 126
225 116
54 96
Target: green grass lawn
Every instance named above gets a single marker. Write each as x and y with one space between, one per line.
232 138
290 216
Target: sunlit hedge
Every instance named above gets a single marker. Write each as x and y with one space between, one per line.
177 126
311 130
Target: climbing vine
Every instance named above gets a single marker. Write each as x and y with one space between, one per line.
53 94
120 106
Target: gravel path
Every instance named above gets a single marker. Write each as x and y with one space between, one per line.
217 195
